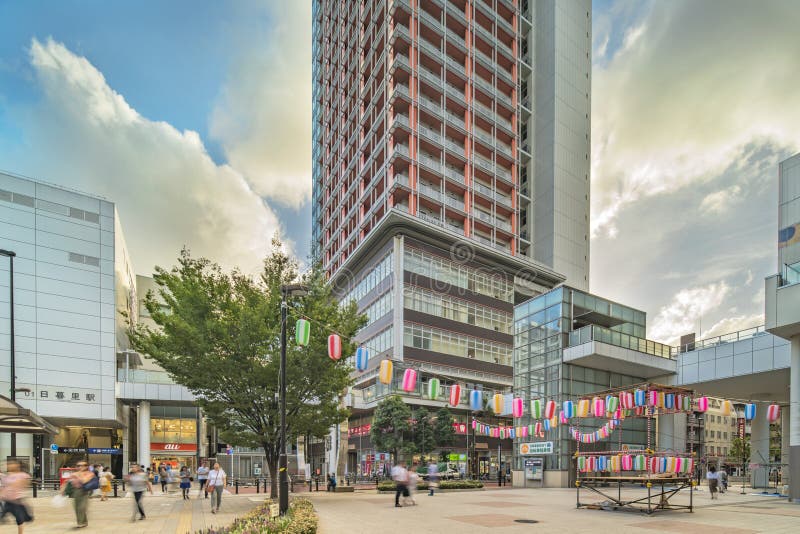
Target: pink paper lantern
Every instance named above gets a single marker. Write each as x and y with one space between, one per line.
598 407
626 400
516 407
702 404
652 398
409 380
334 346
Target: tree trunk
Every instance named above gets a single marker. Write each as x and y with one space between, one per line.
272 465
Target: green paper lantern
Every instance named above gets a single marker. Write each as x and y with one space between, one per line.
302 331
433 388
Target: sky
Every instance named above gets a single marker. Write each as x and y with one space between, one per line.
194 117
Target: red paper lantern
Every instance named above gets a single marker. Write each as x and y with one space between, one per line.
455 395
334 346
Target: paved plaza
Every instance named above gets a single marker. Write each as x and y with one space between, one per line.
553 509
166 514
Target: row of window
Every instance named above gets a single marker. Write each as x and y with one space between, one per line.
25 200
456 309
379 308
370 280
720 435
483 281
380 342
436 340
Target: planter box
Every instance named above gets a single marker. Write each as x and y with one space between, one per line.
344 489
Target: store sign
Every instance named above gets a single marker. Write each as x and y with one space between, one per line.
539 447
460 428
741 427
173 447
362 430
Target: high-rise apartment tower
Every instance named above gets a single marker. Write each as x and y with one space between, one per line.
450 178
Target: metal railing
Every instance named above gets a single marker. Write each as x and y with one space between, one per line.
619 339
719 340
143 376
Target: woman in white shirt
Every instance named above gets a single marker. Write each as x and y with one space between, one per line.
713 481
216 483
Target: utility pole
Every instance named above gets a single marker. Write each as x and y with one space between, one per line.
10 255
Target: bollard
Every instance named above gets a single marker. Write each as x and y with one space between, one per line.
34 485
123 484
236 483
316 480
309 485
265 485
116 486
258 485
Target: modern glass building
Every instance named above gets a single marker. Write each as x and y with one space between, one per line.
569 344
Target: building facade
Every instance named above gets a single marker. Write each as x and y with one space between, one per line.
426 199
73 278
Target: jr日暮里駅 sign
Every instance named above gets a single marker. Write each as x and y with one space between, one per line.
539 447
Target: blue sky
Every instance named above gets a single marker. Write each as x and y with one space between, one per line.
195 118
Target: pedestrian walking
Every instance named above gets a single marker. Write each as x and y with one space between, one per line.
186 481
139 483
202 478
723 480
79 486
105 476
331 482
433 477
713 481
413 479
162 477
400 477
15 485
216 483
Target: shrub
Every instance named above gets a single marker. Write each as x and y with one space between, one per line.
388 485
299 519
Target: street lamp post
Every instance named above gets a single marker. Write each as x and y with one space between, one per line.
10 255
296 290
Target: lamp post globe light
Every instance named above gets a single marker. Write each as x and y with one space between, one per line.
10 255
290 290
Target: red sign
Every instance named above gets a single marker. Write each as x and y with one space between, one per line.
460 428
173 447
740 423
362 430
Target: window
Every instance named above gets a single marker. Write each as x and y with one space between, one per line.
456 309
445 342
458 275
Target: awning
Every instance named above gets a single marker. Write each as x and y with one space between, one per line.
15 418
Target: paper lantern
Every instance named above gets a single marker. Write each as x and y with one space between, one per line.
660 399
581 463
334 347
601 463
773 413
639 397
385 373
727 407
362 358
553 422
475 400
639 462
583 408
546 425
512 433
562 418
678 465
626 400
626 462
702 404
497 403
749 411
598 407
524 430
669 401
531 429
302 330
409 380
549 409
568 409
614 464
474 424
537 428
516 407
652 398
455 395
591 463
612 403
433 388
536 408
689 465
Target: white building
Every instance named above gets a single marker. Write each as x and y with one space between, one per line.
72 278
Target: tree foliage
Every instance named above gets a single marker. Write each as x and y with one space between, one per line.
443 431
740 450
218 334
391 426
423 429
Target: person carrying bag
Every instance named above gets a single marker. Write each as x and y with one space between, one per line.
215 485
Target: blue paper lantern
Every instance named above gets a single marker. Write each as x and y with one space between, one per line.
669 401
362 358
475 400
749 411
547 425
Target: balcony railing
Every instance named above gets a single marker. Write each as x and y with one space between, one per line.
720 340
454 174
429 191
455 203
143 376
618 339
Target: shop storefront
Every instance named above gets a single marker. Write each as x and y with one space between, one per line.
173 436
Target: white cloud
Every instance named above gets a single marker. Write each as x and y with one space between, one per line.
733 324
263 118
683 99
168 191
720 201
681 315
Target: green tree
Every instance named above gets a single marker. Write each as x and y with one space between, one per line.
424 433
218 334
739 452
444 433
391 426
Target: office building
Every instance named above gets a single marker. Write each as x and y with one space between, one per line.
428 210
